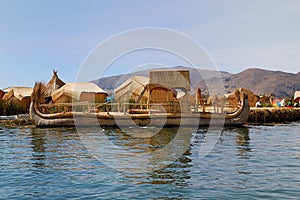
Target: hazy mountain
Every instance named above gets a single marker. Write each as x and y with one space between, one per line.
260 81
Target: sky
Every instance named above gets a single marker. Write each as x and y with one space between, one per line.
37 37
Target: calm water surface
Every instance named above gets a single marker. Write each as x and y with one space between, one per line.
254 162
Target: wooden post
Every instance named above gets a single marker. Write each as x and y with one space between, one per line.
107 109
89 107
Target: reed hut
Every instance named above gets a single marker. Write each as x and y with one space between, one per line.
162 89
19 96
233 98
297 97
266 100
1 94
54 84
79 92
162 95
133 90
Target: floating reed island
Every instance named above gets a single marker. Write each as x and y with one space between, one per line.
273 115
15 122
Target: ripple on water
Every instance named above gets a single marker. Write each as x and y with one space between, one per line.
250 162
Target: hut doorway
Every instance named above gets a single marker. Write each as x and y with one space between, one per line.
182 95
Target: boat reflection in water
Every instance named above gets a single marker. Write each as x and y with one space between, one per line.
232 145
147 155
53 163
242 141
137 150
57 148
38 147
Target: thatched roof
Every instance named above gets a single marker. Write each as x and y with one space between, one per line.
170 79
74 90
54 84
297 96
18 92
134 85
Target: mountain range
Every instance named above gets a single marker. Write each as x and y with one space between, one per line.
260 81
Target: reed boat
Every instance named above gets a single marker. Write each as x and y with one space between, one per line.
163 108
142 118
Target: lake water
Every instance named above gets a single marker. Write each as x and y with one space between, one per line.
253 162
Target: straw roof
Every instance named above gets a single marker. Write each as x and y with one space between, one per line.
18 92
74 90
297 95
134 85
170 79
54 84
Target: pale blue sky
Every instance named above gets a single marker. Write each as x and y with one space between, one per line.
38 36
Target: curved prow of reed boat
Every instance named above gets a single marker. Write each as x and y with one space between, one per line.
236 118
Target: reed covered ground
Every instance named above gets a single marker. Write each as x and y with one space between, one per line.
273 115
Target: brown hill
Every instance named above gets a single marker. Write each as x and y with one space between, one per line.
260 81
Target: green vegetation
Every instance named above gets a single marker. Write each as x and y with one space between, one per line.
11 108
266 105
16 122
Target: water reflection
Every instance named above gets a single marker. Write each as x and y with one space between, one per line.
176 173
166 157
38 146
152 136
181 171
242 136
174 170
242 141
52 147
130 150
54 164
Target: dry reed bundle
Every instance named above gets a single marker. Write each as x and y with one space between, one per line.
38 94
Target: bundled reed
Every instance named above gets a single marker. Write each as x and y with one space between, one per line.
273 115
39 93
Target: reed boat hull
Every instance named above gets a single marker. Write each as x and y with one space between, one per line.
118 119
